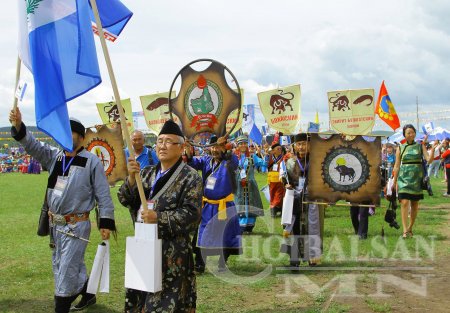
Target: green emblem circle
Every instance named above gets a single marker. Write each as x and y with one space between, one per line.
205 103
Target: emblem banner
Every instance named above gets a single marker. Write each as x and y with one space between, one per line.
109 113
352 112
107 145
344 170
281 108
156 110
231 120
205 101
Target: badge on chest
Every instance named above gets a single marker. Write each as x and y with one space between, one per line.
60 186
211 183
301 183
243 174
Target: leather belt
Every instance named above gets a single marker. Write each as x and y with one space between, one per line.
62 220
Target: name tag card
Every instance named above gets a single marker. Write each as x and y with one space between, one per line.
211 183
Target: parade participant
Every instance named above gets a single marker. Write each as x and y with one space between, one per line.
248 199
219 231
446 159
144 155
389 159
304 242
360 219
76 183
276 187
433 168
175 190
408 176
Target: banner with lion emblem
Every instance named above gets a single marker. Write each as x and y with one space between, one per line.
156 110
107 145
352 112
281 108
109 113
344 170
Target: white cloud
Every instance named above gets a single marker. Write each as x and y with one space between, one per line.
323 45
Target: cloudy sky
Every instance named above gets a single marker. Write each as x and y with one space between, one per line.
322 45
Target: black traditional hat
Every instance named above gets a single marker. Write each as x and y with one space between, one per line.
301 137
171 128
77 127
213 139
275 145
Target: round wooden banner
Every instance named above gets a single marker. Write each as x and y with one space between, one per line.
205 100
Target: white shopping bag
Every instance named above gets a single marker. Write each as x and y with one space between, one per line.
266 191
288 205
100 270
389 186
143 259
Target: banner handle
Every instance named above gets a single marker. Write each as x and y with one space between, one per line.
15 101
125 131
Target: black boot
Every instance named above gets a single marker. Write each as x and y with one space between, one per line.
87 299
199 262
272 212
62 304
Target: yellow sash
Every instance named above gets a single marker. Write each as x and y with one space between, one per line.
273 177
222 214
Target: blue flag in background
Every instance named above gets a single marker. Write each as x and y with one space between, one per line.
256 135
114 15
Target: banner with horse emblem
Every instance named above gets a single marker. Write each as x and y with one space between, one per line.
109 113
156 110
107 145
231 120
344 170
206 98
281 108
352 111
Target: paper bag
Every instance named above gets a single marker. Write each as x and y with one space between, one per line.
288 204
143 260
265 190
390 184
100 270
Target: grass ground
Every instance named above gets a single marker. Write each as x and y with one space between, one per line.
27 282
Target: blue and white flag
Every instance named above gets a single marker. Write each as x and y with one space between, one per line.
56 43
114 15
428 128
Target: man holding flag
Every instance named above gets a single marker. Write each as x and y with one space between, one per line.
56 44
76 183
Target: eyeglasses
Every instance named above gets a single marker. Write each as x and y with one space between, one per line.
167 143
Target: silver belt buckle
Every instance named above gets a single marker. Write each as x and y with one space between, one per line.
59 219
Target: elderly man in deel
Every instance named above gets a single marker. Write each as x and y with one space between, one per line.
175 189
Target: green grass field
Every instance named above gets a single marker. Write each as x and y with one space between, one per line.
27 282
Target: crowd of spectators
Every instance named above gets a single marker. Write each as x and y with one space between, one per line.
15 160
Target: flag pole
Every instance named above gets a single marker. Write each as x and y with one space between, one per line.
112 77
15 101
